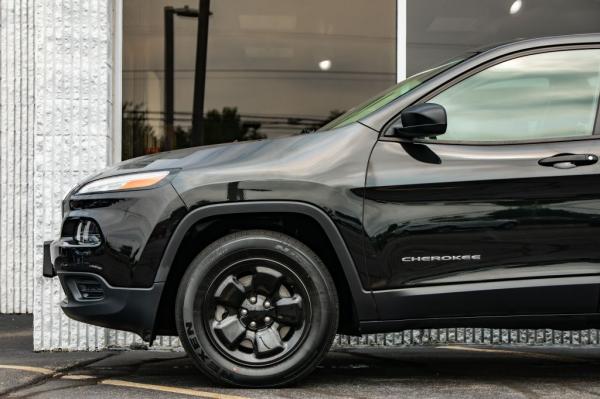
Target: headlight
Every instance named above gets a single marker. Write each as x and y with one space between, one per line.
124 182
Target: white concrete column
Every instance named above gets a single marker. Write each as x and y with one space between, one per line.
16 156
71 140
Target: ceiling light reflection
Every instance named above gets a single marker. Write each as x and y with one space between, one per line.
516 6
325 65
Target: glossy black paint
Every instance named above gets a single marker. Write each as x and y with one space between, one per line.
421 121
546 222
529 232
322 169
136 226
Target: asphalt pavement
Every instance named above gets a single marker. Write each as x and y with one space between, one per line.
416 372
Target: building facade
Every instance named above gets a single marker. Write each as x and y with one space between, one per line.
84 84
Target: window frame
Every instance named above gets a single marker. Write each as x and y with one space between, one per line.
387 134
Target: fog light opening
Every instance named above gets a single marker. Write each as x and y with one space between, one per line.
89 289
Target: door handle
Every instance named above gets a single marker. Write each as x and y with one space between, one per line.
568 161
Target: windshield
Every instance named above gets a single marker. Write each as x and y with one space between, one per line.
389 95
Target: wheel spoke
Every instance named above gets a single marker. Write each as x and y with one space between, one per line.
231 292
267 342
230 330
289 310
266 281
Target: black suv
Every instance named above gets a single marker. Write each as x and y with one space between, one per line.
467 195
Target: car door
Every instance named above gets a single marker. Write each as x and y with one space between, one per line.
501 214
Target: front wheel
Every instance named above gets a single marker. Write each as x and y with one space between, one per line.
256 308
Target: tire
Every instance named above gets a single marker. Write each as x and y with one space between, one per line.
256 308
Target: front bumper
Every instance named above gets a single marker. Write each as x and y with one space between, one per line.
108 253
129 309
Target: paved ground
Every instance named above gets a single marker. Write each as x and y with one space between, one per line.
454 371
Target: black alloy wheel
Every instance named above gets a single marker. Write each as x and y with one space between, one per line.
257 308
259 311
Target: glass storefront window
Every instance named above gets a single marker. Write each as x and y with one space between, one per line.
438 30
273 68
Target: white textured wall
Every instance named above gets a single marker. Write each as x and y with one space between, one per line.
71 138
16 156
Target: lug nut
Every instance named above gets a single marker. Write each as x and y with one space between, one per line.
244 312
267 304
253 300
267 320
252 324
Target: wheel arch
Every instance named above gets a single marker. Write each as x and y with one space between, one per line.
364 306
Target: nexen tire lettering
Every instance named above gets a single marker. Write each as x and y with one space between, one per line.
191 335
193 341
440 258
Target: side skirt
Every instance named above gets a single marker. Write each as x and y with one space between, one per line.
559 302
553 321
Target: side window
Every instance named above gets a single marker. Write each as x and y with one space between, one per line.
540 96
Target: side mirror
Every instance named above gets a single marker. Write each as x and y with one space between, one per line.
422 120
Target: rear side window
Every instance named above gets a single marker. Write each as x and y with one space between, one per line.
534 97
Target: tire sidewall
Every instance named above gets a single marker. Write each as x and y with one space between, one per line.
308 268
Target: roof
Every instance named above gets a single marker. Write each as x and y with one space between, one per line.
542 42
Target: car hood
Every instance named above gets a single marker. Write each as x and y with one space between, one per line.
173 160
303 156
222 153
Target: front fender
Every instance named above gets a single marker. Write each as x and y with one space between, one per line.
363 300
